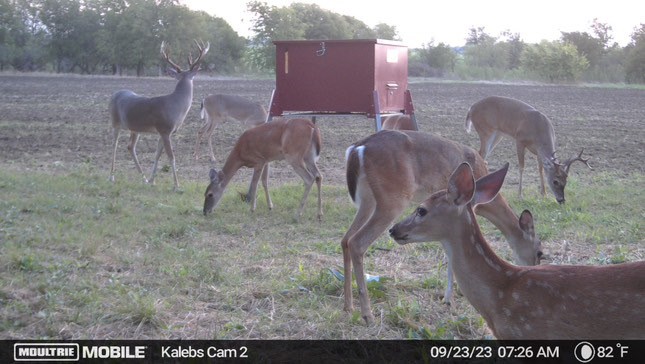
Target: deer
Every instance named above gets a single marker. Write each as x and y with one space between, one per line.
297 141
525 303
217 108
496 116
162 115
389 170
398 122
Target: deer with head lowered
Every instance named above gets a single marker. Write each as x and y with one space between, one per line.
295 140
543 302
398 122
496 116
215 109
389 170
162 115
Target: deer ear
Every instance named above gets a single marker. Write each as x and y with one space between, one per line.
489 185
172 72
213 175
461 185
526 222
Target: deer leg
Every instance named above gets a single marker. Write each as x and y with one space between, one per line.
520 160
211 129
304 169
491 142
358 244
132 147
116 143
541 170
200 134
486 142
365 210
209 136
171 157
265 185
447 296
157 156
319 186
253 187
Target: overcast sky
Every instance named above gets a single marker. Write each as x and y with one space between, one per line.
419 22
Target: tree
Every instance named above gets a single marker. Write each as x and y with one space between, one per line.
554 61
477 36
514 48
433 61
385 31
635 64
602 32
588 46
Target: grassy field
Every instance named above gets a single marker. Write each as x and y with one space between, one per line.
83 258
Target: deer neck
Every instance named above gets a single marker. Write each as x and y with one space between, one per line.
480 273
231 166
502 216
184 90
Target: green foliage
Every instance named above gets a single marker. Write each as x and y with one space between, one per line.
635 65
432 61
300 21
554 61
96 36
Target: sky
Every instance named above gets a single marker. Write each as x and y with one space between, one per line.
420 22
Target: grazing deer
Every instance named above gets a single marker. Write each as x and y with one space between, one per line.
390 169
543 302
295 140
495 116
162 114
398 122
216 109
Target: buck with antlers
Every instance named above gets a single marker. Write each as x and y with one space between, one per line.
162 115
390 169
496 116
295 140
216 109
543 302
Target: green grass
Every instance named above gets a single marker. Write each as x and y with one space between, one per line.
85 258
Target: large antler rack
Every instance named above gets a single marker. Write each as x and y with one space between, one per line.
164 53
568 163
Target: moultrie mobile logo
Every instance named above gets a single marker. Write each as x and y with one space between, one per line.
45 352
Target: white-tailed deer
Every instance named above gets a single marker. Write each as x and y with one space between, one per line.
496 116
389 170
295 140
215 109
398 122
161 115
543 302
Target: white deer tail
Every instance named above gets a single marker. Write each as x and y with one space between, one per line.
202 111
469 122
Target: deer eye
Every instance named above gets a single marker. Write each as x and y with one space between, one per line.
556 183
421 211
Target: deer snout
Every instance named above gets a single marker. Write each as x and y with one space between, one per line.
397 236
561 201
208 205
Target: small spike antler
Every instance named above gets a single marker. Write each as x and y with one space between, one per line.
568 163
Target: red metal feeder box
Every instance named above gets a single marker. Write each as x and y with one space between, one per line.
365 76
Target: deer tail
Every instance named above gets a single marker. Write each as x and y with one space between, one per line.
469 122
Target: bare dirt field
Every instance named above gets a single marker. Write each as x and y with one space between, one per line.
236 276
65 119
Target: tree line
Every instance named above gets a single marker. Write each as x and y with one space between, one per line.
123 37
